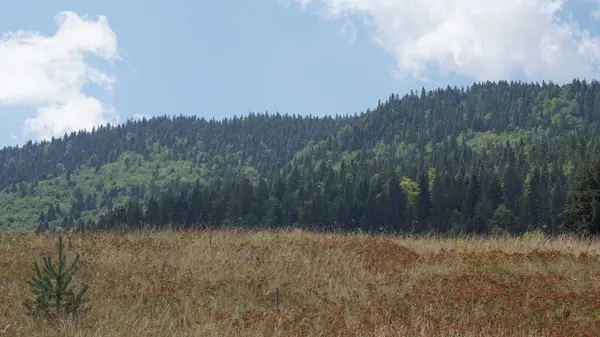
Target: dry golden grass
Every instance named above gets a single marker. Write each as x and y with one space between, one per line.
181 284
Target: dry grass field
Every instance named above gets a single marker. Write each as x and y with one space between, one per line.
223 283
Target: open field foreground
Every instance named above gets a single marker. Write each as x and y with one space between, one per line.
223 284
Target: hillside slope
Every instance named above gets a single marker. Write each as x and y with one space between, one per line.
492 156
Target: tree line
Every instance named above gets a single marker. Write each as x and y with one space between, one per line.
352 198
490 157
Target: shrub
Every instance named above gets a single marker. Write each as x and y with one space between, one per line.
499 232
537 234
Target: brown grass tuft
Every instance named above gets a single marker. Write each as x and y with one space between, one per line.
223 283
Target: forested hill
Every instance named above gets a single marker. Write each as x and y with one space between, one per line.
491 157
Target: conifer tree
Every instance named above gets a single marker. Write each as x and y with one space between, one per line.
583 204
54 295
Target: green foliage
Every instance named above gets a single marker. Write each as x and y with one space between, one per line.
54 295
583 203
535 235
457 154
502 221
498 232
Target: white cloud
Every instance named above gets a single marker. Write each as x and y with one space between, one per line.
49 73
483 40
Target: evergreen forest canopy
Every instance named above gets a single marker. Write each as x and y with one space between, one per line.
503 157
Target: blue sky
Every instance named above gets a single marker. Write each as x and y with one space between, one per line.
217 59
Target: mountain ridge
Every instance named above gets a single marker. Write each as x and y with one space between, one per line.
453 131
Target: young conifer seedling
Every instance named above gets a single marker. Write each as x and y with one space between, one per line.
54 295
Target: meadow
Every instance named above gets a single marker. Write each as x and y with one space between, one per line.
296 283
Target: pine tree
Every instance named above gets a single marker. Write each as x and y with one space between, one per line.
583 203
54 294
424 201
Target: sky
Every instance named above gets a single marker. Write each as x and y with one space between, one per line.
69 65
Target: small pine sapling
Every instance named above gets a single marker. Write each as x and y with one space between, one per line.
54 295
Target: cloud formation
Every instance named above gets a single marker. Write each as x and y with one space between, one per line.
49 73
483 40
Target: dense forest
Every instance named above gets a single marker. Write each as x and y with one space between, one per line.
503 157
